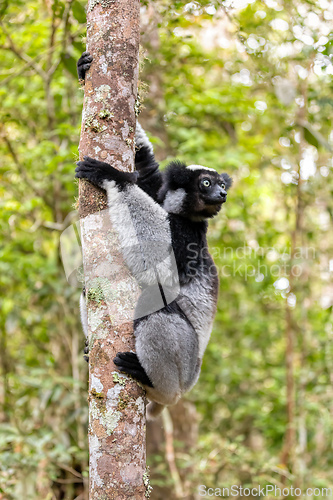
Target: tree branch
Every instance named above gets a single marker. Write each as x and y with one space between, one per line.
21 55
18 164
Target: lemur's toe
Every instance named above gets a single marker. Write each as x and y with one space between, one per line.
128 362
86 351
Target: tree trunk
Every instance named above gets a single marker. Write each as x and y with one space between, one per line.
116 403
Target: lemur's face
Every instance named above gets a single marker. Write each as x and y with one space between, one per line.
210 191
196 192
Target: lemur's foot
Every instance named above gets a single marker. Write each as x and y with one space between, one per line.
83 65
86 351
128 362
97 172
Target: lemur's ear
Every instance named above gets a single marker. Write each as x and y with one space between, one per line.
227 180
176 175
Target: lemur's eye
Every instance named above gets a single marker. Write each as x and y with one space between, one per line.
206 183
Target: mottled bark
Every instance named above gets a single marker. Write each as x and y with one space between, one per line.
116 402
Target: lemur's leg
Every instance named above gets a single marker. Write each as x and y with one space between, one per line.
168 348
83 65
129 363
167 359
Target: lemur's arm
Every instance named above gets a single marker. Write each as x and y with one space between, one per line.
142 225
150 177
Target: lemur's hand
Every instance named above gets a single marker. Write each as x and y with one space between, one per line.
83 65
97 172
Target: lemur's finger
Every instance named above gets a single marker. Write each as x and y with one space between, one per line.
86 66
124 355
92 161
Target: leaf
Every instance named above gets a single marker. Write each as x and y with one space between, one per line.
58 9
78 12
328 48
314 137
70 64
3 7
81 47
310 138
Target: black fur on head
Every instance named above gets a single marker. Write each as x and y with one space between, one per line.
195 192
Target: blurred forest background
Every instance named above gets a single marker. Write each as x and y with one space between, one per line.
243 87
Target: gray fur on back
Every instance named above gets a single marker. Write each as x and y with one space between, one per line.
144 234
145 240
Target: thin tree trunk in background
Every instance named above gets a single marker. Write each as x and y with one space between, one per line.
289 443
116 403
5 369
170 454
288 452
181 441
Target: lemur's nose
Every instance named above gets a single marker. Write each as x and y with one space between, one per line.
223 194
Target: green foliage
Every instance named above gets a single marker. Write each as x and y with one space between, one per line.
240 90
257 108
43 430
78 12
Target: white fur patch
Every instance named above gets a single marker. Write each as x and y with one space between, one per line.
174 201
200 167
141 138
144 234
120 214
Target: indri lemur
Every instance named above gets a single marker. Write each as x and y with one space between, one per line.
160 212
